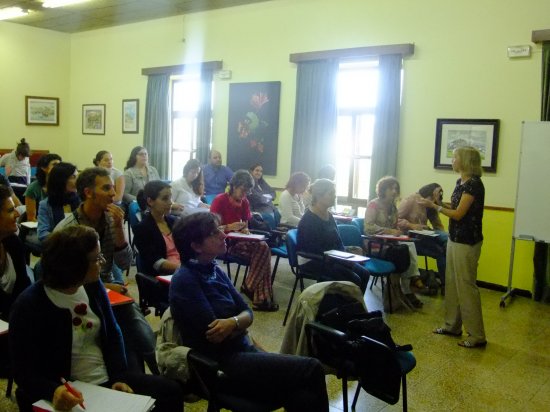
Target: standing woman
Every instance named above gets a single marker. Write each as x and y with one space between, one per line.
188 189
137 173
234 211
153 235
291 205
104 159
62 198
462 300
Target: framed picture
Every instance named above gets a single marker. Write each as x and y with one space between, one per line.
93 119
130 116
479 133
41 111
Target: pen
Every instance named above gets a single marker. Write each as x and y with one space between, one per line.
72 391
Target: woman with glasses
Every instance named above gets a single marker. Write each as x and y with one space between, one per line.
137 173
214 320
188 190
69 313
234 211
262 195
153 235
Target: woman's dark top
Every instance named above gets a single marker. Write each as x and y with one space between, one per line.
200 294
150 242
469 229
41 340
15 249
258 202
316 235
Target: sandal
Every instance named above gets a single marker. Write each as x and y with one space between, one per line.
248 293
443 331
468 344
411 297
266 306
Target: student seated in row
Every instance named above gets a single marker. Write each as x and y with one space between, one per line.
188 190
17 164
63 326
213 319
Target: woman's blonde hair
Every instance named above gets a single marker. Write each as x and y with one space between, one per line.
470 160
319 188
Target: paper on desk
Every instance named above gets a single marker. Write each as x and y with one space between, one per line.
30 225
430 233
100 399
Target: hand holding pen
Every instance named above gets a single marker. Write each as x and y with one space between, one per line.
67 397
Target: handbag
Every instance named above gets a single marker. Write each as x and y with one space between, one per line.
397 254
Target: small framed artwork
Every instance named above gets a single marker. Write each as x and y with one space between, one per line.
41 111
93 119
130 116
479 133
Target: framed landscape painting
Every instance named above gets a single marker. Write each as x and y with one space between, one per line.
481 134
41 111
130 116
93 119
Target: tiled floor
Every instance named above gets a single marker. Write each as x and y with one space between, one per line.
511 374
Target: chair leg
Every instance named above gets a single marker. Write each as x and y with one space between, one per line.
404 381
290 301
356 396
236 275
274 270
426 262
345 392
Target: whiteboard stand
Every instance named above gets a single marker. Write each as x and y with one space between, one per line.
509 292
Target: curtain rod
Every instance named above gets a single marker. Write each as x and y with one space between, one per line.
180 68
405 49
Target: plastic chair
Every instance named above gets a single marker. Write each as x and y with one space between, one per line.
380 369
277 251
360 223
299 273
152 293
378 268
209 198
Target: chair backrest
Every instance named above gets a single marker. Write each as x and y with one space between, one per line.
379 369
291 248
360 223
133 214
351 236
270 220
209 198
152 293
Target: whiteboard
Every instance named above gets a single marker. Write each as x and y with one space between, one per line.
532 212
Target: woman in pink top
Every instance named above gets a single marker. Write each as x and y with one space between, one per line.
153 236
234 211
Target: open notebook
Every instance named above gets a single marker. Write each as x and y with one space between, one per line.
99 399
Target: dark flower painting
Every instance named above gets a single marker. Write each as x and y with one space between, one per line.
253 125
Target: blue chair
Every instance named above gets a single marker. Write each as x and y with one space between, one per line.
299 273
277 251
377 268
360 223
209 198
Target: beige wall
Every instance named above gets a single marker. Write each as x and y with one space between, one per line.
459 69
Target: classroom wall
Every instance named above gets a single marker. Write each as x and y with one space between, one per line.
459 69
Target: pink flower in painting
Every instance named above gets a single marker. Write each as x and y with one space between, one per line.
253 143
258 100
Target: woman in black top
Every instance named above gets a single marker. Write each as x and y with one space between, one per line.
462 300
317 233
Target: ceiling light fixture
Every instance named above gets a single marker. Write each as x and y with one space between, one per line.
50 4
12 12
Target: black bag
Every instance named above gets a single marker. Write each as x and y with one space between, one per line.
396 254
258 223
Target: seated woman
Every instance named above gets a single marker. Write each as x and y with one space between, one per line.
71 306
234 211
381 219
13 272
317 233
262 195
18 168
62 198
291 205
104 159
137 173
213 319
153 235
188 189
414 216
36 191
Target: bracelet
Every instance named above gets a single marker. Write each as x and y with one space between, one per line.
237 323
439 208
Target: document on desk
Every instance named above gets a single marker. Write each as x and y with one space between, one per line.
429 233
350 257
100 399
245 236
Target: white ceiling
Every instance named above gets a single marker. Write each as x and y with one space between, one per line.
96 14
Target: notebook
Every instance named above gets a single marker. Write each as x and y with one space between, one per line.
100 399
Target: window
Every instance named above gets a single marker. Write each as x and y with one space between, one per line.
357 98
185 106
